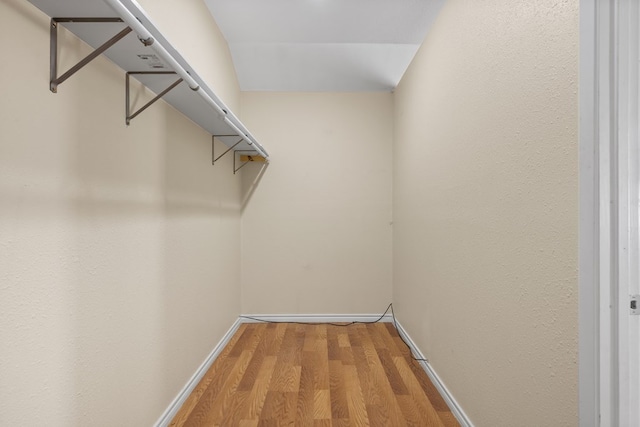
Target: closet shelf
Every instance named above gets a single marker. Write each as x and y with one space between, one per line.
121 30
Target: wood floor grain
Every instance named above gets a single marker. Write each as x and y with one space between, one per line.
315 375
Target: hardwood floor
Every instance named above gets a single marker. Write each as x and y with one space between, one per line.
315 375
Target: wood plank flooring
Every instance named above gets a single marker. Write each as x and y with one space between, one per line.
288 374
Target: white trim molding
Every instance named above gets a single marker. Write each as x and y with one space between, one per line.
609 373
314 318
173 408
626 83
589 235
456 409
182 396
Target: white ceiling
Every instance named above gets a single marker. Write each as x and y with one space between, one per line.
323 45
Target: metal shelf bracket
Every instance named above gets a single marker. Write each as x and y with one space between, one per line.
129 115
214 159
54 80
245 159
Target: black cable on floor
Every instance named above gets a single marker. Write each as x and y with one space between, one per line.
389 307
321 323
395 325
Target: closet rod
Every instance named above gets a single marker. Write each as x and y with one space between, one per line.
147 39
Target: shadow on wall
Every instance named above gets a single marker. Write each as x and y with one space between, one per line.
251 175
119 246
202 249
117 217
158 253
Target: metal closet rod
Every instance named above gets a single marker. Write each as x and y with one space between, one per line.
147 39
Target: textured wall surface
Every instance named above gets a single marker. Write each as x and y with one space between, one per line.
316 237
119 247
486 211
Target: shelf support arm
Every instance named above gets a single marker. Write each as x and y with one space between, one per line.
54 80
214 159
130 116
243 164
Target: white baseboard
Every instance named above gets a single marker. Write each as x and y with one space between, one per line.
177 403
339 318
435 379
314 318
179 400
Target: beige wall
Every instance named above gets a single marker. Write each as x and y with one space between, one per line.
316 234
486 210
120 264
119 247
